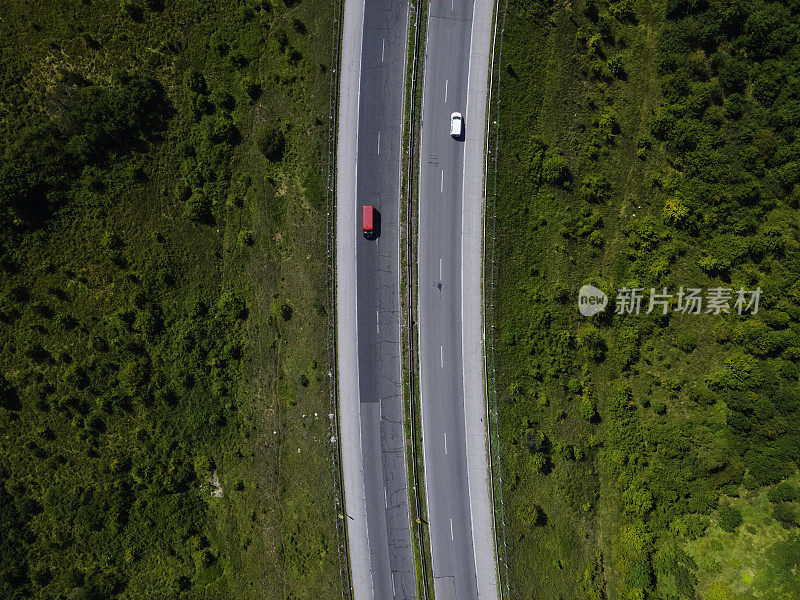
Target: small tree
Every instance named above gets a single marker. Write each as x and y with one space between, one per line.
586 406
729 518
223 100
251 87
686 342
615 67
784 492
207 558
36 353
197 206
246 238
132 10
554 168
75 377
237 60
223 130
8 395
675 211
537 462
231 307
203 465
133 376
195 82
531 515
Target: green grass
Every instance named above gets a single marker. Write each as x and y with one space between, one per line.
121 394
544 93
617 128
748 560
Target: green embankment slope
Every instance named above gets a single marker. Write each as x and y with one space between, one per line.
164 393
649 144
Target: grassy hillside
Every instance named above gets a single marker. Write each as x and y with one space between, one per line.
649 145
164 395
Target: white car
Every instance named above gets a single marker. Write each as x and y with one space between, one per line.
456 125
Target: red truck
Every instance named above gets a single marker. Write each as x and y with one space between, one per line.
368 221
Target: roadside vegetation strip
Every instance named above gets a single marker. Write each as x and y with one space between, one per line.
162 343
639 442
489 232
409 187
330 201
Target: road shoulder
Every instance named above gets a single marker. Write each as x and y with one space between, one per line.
346 300
472 341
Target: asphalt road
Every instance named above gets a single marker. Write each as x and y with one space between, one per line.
380 497
457 491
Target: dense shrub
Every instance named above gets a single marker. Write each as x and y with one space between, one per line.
271 142
592 343
785 514
90 124
686 342
595 188
251 87
283 310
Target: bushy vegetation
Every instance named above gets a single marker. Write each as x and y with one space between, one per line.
677 123
163 434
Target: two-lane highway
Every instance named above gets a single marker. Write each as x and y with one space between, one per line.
380 133
369 150
449 303
441 164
